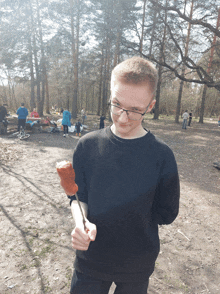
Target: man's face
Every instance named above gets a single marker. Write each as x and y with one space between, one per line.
130 97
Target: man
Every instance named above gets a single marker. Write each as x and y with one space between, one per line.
190 118
78 128
34 113
3 112
3 120
22 113
185 117
102 122
128 185
66 122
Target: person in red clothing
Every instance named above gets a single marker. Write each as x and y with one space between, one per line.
34 113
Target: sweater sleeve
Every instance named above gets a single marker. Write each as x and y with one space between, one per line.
166 202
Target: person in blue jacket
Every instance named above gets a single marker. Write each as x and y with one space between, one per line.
22 113
66 122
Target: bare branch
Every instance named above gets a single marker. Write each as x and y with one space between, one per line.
185 17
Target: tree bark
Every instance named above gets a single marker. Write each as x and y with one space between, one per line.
100 83
162 52
43 64
156 110
202 108
178 106
75 52
47 95
31 66
142 29
208 71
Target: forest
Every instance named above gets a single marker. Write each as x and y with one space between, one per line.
60 53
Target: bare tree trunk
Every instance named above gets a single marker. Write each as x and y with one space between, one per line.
118 38
153 30
104 88
75 52
202 108
43 64
47 95
156 110
35 59
142 28
212 112
162 51
208 71
178 106
100 84
31 66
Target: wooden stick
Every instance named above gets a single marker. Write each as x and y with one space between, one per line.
80 207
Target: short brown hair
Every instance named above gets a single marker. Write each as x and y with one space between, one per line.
136 70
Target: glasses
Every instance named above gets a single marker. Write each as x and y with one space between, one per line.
133 115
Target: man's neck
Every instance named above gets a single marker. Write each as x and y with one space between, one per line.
140 133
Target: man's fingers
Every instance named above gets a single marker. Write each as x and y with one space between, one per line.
78 242
81 237
79 246
80 234
92 231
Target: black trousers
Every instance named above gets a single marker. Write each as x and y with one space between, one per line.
190 119
65 129
21 123
82 284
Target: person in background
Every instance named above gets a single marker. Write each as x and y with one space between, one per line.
22 113
83 115
34 113
3 120
190 118
66 122
128 184
185 117
3 112
78 126
102 122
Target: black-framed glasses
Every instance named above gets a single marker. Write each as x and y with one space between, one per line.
133 115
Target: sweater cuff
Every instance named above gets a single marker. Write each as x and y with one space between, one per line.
71 198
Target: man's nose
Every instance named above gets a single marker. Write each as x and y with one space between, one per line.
123 117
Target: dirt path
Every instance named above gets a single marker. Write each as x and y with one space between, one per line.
36 254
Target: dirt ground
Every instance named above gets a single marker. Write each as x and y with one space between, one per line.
36 222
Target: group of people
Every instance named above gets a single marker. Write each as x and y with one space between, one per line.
185 117
66 123
22 113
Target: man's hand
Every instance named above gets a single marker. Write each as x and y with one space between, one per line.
81 238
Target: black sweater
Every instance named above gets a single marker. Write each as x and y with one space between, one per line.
130 186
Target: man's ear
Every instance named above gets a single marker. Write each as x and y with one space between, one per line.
151 105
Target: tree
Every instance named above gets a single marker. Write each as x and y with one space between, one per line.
205 27
208 71
183 66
